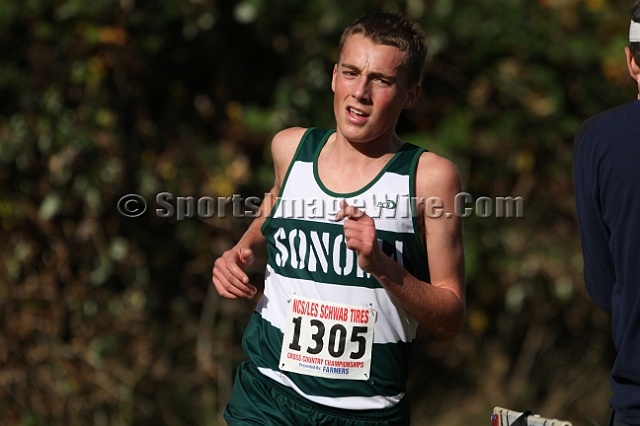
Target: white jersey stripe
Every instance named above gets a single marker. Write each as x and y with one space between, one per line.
345 402
393 323
387 201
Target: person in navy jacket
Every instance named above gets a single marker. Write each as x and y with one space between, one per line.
607 190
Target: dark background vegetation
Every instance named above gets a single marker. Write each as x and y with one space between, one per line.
107 320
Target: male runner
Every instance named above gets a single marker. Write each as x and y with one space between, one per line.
354 266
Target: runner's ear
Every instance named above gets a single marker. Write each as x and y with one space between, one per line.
333 78
412 95
632 66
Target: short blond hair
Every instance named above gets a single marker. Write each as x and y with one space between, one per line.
393 29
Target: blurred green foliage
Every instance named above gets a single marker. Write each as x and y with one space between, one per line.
108 320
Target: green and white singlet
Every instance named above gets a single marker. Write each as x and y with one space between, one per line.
323 327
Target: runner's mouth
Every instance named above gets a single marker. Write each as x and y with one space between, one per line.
357 112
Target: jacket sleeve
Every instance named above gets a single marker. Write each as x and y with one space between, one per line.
599 271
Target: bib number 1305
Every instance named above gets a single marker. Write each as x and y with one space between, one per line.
328 340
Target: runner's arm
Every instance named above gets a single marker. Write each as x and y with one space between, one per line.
439 306
228 273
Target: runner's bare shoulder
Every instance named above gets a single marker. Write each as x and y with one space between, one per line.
437 176
283 148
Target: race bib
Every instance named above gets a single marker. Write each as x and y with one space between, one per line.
328 340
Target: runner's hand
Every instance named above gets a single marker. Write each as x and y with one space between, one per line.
229 277
360 235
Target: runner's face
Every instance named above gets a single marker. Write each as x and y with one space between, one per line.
370 90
